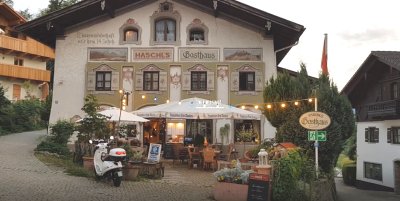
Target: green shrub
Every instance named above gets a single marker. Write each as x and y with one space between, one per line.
349 173
60 149
61 131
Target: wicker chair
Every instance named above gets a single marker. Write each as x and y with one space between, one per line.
209 159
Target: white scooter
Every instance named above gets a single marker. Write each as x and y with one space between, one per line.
108 164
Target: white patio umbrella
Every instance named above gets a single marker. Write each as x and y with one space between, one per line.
113 115
196 108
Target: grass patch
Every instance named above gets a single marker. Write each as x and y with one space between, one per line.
64 163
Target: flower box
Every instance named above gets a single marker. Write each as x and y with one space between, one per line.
224 191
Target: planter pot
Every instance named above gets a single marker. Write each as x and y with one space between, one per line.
88 163
130 172
224 191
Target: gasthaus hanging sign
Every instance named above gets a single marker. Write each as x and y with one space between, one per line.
315 120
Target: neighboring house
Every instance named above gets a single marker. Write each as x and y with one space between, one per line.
374 92
23 71
162 51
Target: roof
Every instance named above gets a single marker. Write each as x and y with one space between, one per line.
284 32
294 73
9 13
390 58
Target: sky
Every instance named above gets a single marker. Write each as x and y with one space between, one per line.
354 28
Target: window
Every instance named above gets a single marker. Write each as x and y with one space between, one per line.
394 91
131 35
199 81
247 81
150 80
103 81
165 30
373 171
196 35
165 25
372 134
393 135
18 62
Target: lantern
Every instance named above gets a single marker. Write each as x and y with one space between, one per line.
262 158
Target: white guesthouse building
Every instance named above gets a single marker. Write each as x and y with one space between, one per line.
165 50
374 93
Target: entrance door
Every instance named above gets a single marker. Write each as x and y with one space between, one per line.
397 177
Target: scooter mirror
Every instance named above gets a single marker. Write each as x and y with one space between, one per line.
111 137
90 141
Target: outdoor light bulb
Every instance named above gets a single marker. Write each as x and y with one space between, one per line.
310 100
143 96
180 102
167 101
269 106
123 107
155 98
296 103
243 107
283 105
256 107
120 91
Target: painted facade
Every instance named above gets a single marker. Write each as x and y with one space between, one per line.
207 55
23 71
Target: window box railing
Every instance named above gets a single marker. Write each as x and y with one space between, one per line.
384 108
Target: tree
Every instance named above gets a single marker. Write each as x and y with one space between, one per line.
8 2
55 5
285 88
3 100
26 14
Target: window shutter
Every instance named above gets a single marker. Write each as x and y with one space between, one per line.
186 81
389 135
91 81
259 81
163 81
234 81
366 135
376 135
210 80
115 81
139 81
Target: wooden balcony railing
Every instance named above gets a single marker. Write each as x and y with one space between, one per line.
384 109
28 46
24 72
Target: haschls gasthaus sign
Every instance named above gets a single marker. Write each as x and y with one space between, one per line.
315 120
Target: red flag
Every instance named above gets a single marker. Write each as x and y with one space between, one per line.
324 60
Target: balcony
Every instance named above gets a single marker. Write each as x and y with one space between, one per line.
24 73
28 46
384 109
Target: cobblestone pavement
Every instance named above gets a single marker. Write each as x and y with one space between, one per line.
23 177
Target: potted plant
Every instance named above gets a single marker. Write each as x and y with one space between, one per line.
131 165
232 184
92 126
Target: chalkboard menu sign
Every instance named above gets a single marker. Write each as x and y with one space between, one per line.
168 151
258 187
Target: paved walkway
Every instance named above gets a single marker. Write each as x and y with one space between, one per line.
350 193
23 177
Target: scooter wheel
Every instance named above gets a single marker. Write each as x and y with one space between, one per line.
116 180
96 177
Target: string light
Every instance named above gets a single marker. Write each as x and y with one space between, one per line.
256 107
243 107
285 104
167 101
143 96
